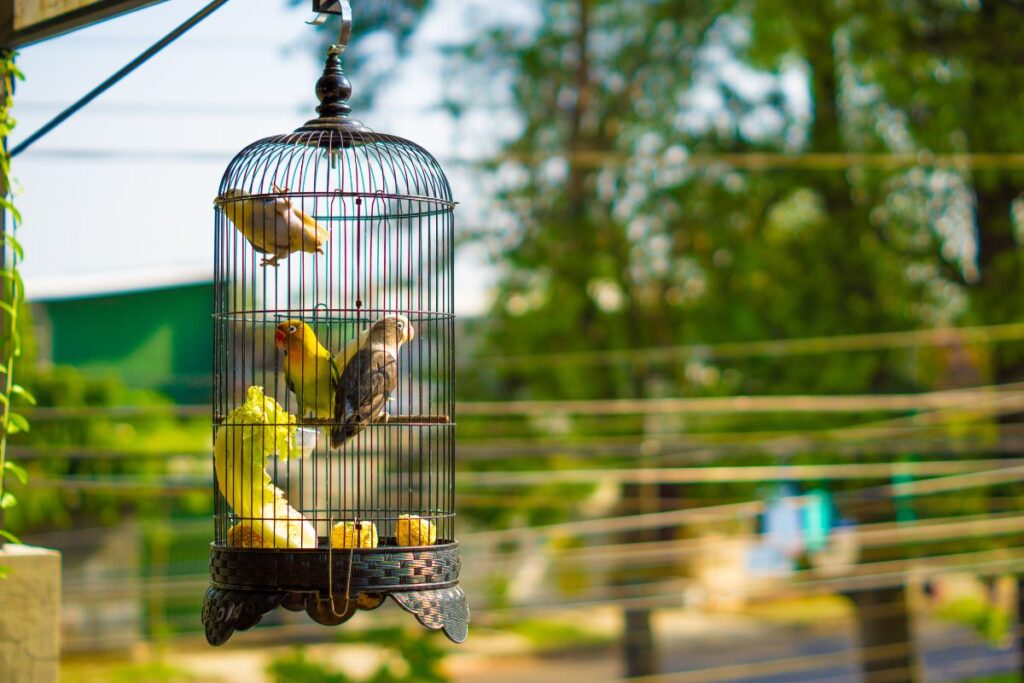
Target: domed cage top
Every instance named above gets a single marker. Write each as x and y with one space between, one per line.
333 407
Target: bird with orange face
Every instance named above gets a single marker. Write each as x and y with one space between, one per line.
309 369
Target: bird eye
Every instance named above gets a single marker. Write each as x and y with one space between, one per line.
401 325
292 329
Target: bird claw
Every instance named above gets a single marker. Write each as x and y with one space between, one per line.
270 262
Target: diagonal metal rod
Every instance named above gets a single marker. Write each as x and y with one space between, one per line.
117 76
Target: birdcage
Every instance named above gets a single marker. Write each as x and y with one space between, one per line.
333 409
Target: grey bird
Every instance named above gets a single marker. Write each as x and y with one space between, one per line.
368 373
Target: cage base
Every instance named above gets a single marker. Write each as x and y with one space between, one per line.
332 585
226 611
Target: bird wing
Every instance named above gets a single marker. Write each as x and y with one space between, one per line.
363 390
242 213
273 224
305 232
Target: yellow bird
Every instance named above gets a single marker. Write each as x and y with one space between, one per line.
273 225
309 368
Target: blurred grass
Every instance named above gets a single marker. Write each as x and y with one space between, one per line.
104 670
546 635
801 610
990 622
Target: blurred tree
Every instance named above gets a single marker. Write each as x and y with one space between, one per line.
616 238
919 78
77 437
623 224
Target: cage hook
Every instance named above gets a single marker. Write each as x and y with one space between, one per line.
334 89
330 569
346 28
340 7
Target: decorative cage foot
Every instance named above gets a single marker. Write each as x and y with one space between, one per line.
445 609
227 611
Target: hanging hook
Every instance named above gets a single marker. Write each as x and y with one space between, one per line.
342 7
346 28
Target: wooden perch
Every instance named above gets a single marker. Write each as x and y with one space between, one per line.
392 420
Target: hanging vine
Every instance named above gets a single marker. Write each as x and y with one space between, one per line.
12 298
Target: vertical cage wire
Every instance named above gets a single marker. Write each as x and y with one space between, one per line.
389 212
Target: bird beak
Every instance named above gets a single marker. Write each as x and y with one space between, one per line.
410 333
279 339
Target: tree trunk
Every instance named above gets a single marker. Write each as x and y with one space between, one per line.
638 649
883 615
886 639
1020 629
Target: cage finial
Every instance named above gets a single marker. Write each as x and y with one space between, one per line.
334 88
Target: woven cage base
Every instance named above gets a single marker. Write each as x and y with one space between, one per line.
332 585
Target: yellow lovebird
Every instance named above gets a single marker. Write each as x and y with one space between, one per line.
273 225
413 530
346 535
309 368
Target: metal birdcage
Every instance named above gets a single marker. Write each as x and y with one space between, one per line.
333 409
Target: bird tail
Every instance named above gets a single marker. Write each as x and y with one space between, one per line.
346 430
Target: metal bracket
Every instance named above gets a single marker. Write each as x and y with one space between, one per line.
327 6
340 7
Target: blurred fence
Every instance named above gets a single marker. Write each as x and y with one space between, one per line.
635 520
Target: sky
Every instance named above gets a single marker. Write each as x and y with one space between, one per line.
121 194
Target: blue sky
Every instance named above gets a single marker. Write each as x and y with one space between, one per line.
122 193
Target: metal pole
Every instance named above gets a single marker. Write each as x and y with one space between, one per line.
118 76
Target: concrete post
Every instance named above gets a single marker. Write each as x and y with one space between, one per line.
30 615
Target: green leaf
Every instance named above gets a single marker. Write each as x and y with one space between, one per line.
25 394
10 240
16 423
4 572
7 500
14 277
6 306
9 536
8 205
17 470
